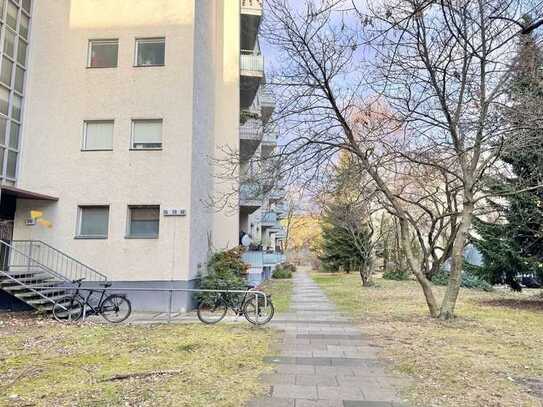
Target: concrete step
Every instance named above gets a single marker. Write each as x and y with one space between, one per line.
25 295
41 300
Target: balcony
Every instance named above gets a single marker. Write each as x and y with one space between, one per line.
269 141
252 73
250 197
278 194
273 259
250 136
251 16
267 103
268 219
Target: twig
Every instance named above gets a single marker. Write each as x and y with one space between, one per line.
140 375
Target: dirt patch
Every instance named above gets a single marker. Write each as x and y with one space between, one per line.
528 304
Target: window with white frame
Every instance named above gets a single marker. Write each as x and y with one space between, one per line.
143 221
15 22
146 134
103 53
93 222
98 135
150 51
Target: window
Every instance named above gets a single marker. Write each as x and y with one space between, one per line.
16 107
27 5
21 52
143 221
103 53
3 131
24 26
7 69
93 222
9 44
11 17
11 170
4 100
98 135
14 136
19 79
146 134
150 51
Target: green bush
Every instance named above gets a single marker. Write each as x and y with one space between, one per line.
226 271
289 266
469 280
397 275
282 272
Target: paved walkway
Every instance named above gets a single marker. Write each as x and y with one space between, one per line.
323 360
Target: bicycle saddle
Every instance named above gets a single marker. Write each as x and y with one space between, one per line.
79 280
106 285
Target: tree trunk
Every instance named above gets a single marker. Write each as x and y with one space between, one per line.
457 262
416 268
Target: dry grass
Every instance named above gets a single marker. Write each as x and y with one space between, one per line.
43 363
491 355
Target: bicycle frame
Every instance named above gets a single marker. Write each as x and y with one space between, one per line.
86 302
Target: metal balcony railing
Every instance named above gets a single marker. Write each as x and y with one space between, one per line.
252 129
270 136
268 218
251 5
253 62
250 191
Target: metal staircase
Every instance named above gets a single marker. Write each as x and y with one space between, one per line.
38 274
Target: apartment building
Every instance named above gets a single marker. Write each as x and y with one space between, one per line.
110 111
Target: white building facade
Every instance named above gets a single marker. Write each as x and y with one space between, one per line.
110 111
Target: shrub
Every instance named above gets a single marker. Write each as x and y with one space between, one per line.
289 266
397 275
226 271
469 280
282 272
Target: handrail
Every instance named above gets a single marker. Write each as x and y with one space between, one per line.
85 271
28 287
34 262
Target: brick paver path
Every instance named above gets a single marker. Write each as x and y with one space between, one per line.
323 359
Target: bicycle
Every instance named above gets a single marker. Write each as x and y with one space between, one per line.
256 309
114 308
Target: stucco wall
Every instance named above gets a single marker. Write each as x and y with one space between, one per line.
62 93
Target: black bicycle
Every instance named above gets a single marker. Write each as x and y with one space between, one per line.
114 308
256 309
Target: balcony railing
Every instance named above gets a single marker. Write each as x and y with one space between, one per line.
250 191
268 219
252 62
270 136
251 6
273 258
266 98
252 129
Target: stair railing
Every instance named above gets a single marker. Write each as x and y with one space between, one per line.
28 287
55 260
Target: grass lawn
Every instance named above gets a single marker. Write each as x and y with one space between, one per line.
490 355
43 363
281 291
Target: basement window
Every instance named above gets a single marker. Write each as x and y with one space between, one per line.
93 222
143 222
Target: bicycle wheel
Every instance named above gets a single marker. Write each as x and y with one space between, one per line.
264 313
211 312
68 309
116 309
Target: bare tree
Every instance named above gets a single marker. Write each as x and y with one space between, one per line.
440 68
